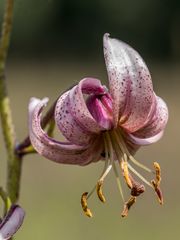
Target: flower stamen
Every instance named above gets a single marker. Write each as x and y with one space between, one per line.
137 188
100 192
121 143
128 205
133 160
124 166
156 182
139 175
100 184
123 155
118 182
115 148
112 143
85 208
158 173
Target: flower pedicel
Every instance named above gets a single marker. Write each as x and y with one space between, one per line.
108 125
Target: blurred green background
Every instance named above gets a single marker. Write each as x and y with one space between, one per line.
56 43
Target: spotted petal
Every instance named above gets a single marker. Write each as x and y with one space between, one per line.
145 141
68 125
72 115
156 123
61 152
78 105
11 222
130 84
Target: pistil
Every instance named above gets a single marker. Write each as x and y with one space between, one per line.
128 205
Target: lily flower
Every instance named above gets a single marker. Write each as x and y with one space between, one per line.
108 125
11 222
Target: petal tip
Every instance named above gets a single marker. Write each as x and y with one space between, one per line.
106 35
33 102
106 38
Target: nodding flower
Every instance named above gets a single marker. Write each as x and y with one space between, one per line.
108 125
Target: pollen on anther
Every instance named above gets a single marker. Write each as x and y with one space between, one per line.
124 167
85 208
156 183
100 192
158 173
128 205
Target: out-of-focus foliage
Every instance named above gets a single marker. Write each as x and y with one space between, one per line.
77 26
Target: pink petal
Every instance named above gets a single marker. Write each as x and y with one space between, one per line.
97 108
146 141
130 84
12 222
91 85
156 123
107 102
67 124
78 106
61 152
72 115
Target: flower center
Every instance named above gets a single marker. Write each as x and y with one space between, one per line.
118 158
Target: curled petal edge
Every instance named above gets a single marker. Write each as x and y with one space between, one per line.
60 152
72 115
156 122
146 141
78 105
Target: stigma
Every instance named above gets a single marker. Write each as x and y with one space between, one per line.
118 157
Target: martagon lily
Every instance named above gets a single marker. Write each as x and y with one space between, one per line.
108 125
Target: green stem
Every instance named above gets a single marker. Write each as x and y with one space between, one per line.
6 199
13 161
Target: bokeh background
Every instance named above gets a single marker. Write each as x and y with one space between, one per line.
58 42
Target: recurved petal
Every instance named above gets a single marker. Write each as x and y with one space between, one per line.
11 222
61 152
156 123
130 84
66 123
91 86
145 141
72 116
78 107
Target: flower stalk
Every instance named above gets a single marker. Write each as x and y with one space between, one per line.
6 200
13 161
